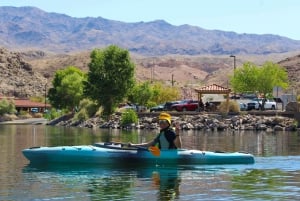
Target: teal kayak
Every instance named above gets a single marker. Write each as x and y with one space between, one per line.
116 153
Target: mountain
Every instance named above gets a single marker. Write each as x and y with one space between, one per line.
29 27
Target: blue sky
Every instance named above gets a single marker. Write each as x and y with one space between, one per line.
279 17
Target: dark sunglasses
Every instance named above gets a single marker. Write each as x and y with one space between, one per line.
163 121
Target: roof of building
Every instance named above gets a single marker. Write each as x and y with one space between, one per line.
26 103
213 89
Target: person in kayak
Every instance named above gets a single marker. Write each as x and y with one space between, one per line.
168 138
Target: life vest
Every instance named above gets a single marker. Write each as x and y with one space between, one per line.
165 139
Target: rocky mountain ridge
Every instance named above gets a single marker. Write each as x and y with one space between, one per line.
23 27
18 79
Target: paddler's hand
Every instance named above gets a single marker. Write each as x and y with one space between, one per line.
177 128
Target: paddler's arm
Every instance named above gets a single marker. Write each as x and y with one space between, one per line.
177 140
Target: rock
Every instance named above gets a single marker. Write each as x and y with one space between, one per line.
197 122
291 128
261 126
293 107
278 128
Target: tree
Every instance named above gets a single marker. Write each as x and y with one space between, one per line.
110 77
271 75
245 78
67 88
140 93
163 93
251 78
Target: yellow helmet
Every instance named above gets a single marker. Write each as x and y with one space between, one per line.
165 116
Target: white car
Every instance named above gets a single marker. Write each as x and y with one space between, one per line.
253 105
243 106
269 104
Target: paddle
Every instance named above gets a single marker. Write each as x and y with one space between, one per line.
155 151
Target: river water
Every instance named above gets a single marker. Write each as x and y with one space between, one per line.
274 176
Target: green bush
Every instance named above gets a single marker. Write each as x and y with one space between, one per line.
82 115
89 106
53 114
87 109
129 117
7 107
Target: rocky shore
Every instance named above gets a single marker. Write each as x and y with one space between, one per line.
201 121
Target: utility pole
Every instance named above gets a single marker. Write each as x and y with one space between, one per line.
45 98
234 67
172 80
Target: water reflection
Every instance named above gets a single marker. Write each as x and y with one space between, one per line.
274 176
110 182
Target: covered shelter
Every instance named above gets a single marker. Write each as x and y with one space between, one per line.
214 89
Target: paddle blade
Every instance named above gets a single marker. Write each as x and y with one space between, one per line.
154 150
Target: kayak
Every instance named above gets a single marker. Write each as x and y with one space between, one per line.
117 153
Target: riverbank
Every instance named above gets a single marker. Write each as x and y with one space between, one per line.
26 121
195 121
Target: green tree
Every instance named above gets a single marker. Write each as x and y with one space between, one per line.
110 77
269 76
161 93
251 78
140 93
245 78
67 88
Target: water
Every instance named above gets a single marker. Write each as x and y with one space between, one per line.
274 176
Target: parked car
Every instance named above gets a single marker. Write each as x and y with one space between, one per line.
268 104
34 110
157 108
132 107
253 105
137 108
248 96
168 105
186 105
243 106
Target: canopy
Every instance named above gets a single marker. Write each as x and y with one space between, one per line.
214 89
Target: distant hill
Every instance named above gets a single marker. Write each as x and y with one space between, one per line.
25 74
29 27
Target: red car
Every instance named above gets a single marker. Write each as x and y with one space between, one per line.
186 105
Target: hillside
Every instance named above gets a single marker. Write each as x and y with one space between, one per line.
28 27
18 77
292 65
28 73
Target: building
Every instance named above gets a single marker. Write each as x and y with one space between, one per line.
28 105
